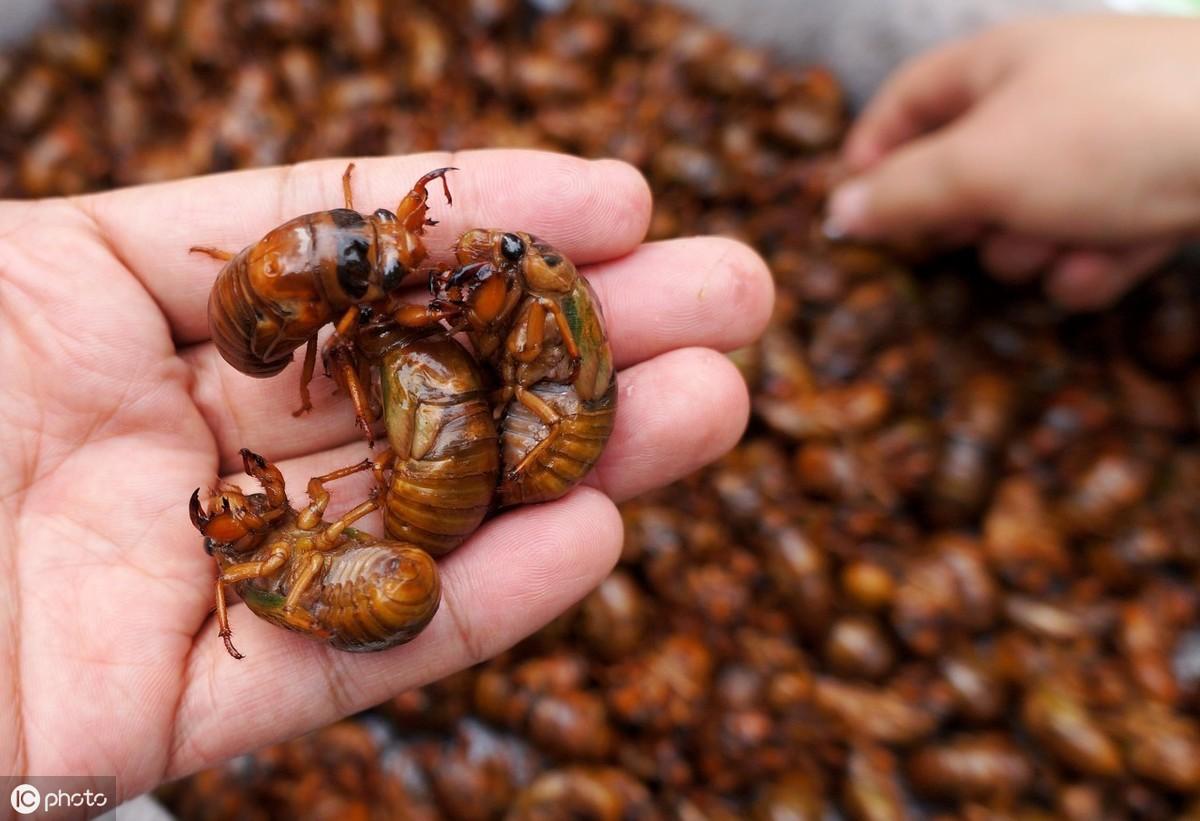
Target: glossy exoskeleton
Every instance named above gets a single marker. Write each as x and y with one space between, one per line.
326 580
275 295
538 324
442 463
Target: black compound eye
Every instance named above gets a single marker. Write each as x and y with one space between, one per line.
393 275
512 247
353 269
384 215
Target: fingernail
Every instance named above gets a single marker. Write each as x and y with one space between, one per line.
847 211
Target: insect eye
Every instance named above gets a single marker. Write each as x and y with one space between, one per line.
384 215
512 247
353 267
393 275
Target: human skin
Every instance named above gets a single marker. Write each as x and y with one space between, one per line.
1067 147
116 406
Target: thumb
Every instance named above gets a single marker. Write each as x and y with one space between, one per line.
919 188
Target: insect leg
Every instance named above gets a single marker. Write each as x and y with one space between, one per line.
267 475
345 372
380 465
564 329
346 187
223 622
313 563
310 363
524 344
244 571
341 362
332 534
423 316
310 517
549 417
412 209
215 253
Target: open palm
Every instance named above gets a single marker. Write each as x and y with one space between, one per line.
114 407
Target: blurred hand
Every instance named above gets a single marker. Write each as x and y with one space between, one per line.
116 406
1065 146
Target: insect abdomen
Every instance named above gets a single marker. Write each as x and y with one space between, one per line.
438 504
234 320
446 456
556 467
378 596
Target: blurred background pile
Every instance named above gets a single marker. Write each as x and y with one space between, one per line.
951 570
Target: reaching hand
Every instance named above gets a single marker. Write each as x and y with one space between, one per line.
1069 145
116 406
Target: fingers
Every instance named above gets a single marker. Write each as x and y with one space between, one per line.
591 210
928 92
706 291
1078 279
1016 257
675 413
516 574
709 292
921 187
1089 280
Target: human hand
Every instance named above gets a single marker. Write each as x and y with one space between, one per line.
116 406
1066 146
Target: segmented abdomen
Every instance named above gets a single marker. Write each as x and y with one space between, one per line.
439 503
539 470
440 428
377 596
234 315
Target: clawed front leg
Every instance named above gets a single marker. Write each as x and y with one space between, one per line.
268 476
412 210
